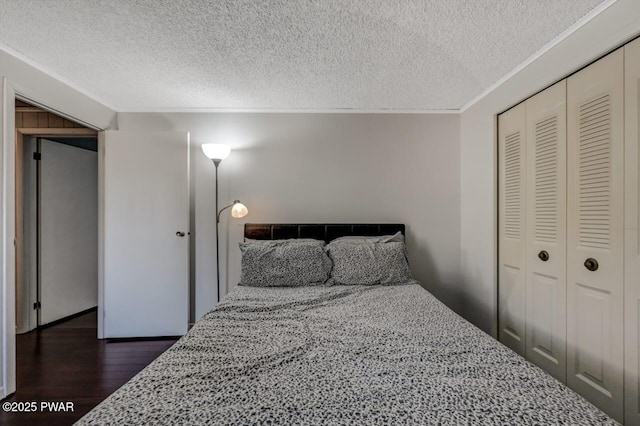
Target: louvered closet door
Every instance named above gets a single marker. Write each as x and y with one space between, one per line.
546 230
511 281
632 232
595 233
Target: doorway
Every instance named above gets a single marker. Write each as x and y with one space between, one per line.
56 218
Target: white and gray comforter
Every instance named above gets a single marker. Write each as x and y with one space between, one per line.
340 355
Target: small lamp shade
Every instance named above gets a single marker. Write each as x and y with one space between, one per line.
239 210
215 151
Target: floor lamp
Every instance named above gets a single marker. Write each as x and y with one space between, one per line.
217 153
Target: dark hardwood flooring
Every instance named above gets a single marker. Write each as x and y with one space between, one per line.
66 362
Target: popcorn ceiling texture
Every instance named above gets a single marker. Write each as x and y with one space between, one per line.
278 54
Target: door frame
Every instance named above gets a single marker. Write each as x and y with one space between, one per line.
8 135
7 244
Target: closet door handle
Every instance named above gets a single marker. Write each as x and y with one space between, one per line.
543 255
591 264
180 234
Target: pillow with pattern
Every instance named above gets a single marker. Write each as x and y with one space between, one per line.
369 263
284 263
397 237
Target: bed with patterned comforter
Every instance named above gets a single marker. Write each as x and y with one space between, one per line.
340 355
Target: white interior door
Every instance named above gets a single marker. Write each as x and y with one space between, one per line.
511 282
146 218
632 232
595 187
546 230
68 230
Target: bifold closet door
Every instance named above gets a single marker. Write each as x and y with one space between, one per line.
511 281
546 230
595 182
632 231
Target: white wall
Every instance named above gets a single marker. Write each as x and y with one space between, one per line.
325 168
478 292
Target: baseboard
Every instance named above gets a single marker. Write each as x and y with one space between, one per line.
140 339
5 396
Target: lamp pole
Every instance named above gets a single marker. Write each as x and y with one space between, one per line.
217 153
216 162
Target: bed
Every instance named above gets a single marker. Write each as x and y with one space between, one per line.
339 354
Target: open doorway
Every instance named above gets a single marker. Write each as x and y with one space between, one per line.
56 218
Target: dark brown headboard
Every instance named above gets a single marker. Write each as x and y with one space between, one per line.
318 231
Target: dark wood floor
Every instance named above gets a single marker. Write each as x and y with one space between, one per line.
68 363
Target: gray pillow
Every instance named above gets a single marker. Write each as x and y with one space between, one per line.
284 263
369 263
397 237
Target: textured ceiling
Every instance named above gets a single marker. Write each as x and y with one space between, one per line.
137 55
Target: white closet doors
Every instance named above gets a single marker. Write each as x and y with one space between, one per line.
595 233
546 230
632 231
512 147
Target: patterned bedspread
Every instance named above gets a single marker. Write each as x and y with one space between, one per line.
340 355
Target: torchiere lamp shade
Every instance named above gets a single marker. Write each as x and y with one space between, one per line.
216 151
